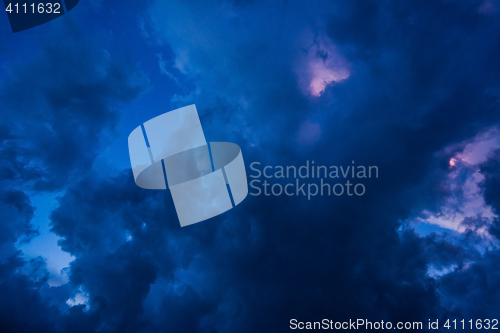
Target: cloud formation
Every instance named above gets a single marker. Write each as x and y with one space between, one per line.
397 85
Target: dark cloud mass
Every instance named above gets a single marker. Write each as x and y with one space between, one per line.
55 107
408 86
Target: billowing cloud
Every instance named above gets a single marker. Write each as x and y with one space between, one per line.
464 208
56 104
400 87
320 64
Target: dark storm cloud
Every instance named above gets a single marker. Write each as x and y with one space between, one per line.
22 309
492 188
233 271
273 259
16 206
417 84
56 106
473 292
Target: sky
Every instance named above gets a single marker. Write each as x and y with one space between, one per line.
410 87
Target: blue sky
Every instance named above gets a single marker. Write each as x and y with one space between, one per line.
412 87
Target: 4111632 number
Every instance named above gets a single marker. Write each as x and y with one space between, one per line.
41 8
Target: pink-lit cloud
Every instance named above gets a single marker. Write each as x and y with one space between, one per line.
319 65
322 75
481 147
464 209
